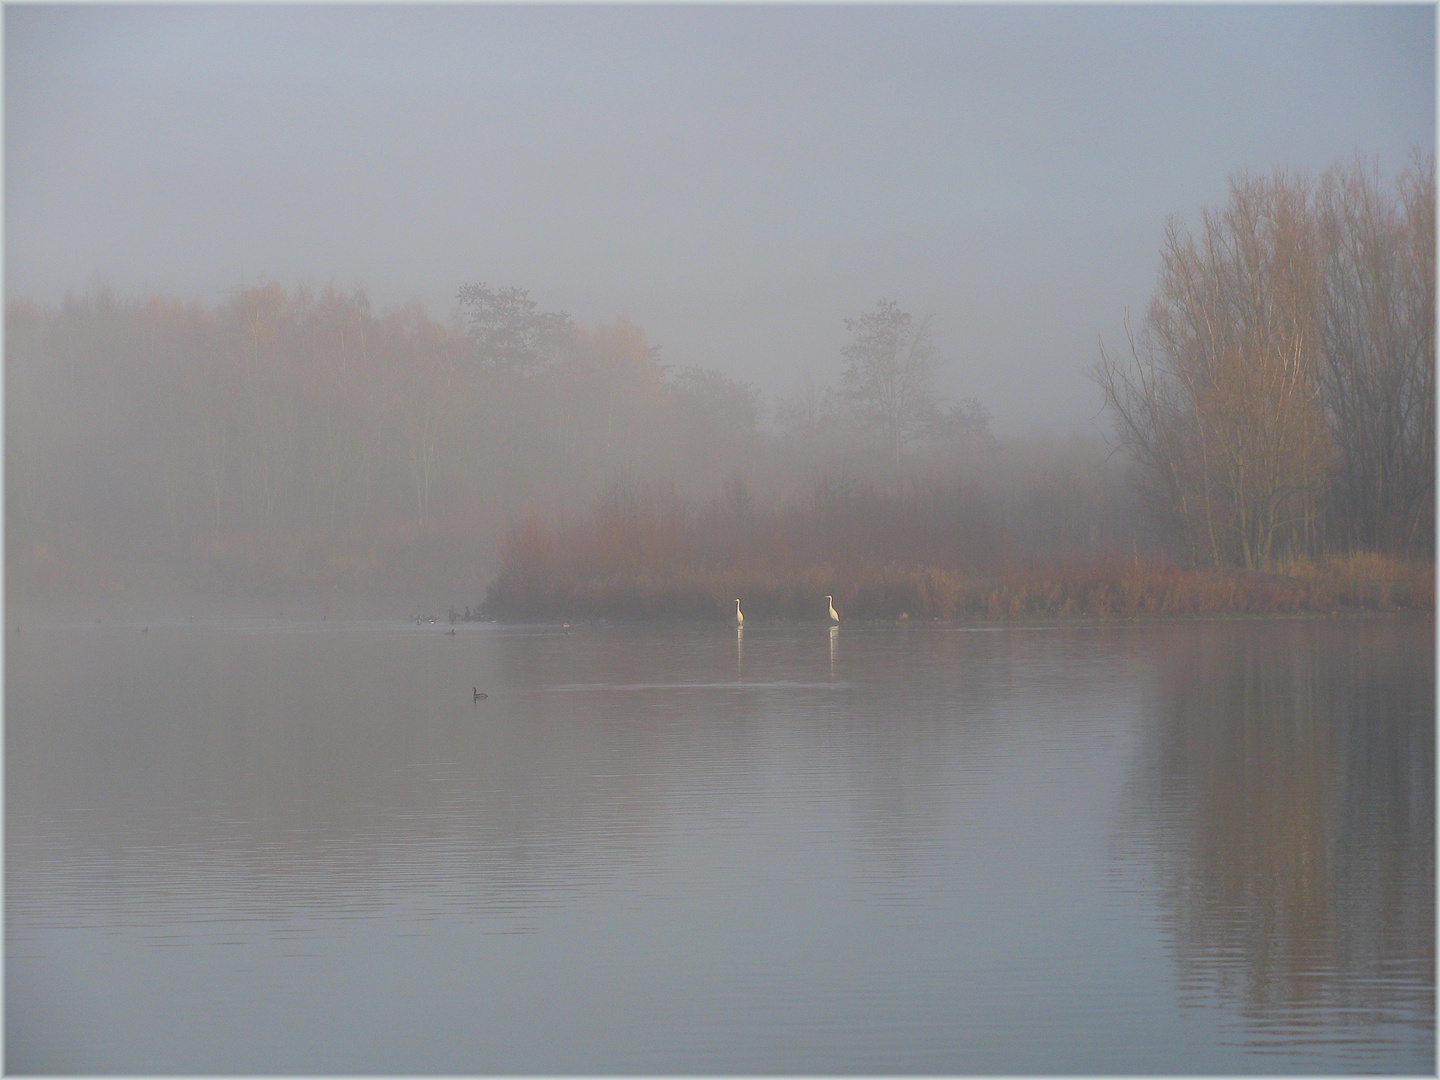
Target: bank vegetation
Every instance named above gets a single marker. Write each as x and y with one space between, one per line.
932 554
1280 396
1272 448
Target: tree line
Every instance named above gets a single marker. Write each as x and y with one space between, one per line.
299 437
303 434
1280 397
1278 401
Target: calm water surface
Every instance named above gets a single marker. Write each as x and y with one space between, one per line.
249 847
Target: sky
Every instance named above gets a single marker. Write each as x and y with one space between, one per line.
736 179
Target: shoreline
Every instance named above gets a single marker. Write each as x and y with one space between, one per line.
1107 592
1072 622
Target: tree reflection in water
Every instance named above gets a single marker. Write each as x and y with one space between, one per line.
1284 799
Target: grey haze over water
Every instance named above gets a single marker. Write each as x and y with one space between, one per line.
736 179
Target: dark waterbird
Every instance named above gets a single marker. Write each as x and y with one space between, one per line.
478 694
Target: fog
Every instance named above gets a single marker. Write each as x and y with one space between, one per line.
737 180
707 194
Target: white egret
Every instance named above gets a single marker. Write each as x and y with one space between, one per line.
834 615
739 615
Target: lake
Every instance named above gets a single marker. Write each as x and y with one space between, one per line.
300 846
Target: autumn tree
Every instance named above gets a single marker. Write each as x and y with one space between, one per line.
1218 398
423 405
1281 394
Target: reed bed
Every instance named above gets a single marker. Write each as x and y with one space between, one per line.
641 560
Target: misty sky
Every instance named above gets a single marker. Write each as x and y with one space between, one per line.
736 179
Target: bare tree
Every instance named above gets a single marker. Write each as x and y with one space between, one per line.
509 331
1379 376
1151 423
888 374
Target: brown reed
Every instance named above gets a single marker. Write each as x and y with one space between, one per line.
638 558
